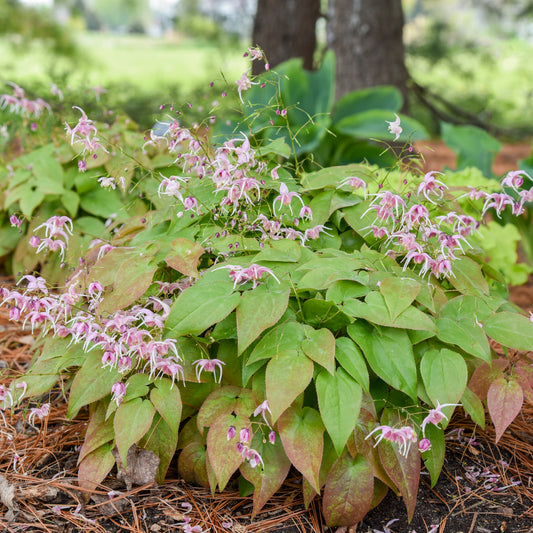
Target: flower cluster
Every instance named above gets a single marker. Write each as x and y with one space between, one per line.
19 103
243 446
85 134
57 231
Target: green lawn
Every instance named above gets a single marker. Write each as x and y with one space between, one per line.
147 63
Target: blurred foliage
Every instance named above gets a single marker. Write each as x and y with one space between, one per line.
21 25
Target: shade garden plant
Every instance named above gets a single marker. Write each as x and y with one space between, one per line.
253 316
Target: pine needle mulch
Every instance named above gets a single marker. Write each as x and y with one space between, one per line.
39 492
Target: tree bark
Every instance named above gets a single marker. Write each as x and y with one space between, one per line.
367 38
285 29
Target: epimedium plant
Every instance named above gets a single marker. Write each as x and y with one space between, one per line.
261 317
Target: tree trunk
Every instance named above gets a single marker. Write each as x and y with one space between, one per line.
366 36
285 29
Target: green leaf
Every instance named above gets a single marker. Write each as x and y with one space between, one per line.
95 466
399 294
260 309
199 307
71 201
343 290
302 434
466 334
30 200
474 407
330 176
390 354
320 313
349 491
287 375
351 359
511 330
373 124
223 454
339 400
434 457
468 277
167 401
284 250
103 203
92 382
162 440
445 375
319 345
286 336
132 420
374 309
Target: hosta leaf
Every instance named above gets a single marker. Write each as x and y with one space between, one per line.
319 345
351 359
132 420
349 491
510 329
184 256
287 376
260 309
269 479
222 453
339 400
302 434
92 382
199 307
504 401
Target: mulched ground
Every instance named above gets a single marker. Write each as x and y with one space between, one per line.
483 488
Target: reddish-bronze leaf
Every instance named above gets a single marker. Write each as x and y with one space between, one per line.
302 434
484 375
184 256
95 466
504 401
349 491
192 464
222 453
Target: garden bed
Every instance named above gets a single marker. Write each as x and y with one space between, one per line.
483 488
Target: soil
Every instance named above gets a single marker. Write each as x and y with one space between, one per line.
483 488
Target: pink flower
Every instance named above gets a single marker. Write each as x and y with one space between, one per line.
40 412
209 365
424 445
253 273
262 409
314 232
436 416
285 198
244 436
354 183
118 391
272 437
515 179
231 432
306 213
431 186
403 436
15 221
394 127
243 84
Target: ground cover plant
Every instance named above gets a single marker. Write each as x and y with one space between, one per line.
255 316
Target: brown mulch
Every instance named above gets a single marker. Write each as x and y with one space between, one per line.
39 492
